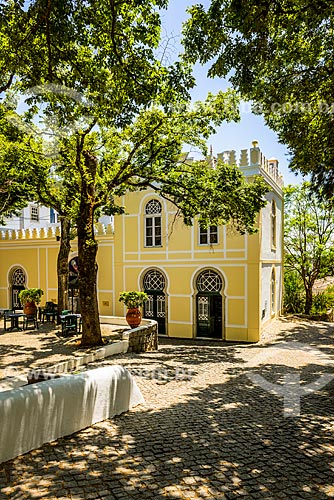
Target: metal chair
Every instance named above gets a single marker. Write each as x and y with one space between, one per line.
69 325
6 318
49 312
30 319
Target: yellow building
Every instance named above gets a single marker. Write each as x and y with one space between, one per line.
211 283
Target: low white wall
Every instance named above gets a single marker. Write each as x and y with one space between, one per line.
119 320
40 413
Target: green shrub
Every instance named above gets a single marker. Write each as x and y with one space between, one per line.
294 293
323 301
133 299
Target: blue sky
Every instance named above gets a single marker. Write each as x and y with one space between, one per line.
231 135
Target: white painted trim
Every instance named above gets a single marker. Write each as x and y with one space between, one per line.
123 247
184 295
239 297
224 241
113 267
198 259
166 237
235 326
105 291
246 296
140 230
181 323
277 262
196 264
47 271
22 247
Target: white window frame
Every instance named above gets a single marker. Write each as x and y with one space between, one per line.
34 213
153 228
208 234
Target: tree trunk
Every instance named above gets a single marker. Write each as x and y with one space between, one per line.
309 300
62 263
87 250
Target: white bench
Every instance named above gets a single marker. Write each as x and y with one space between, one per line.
40 413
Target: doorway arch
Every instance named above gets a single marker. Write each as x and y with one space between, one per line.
17 282
154 284
210 304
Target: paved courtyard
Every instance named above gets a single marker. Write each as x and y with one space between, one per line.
210 428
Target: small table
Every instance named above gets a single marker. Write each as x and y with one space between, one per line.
14 321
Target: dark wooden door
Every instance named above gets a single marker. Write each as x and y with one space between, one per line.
155 308
16 304
209 315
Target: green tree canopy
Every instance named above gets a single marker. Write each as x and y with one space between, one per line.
18 156
280 56
120 120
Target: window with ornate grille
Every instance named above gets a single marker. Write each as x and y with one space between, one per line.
208 235
209 281
34 213
153 233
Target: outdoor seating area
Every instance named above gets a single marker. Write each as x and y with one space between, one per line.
17 320
70 323
48 312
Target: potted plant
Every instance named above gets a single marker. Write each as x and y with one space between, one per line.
133 301
30 298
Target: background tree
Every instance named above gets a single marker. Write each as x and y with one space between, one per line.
121 119
16 166
280 56
59 193
308 236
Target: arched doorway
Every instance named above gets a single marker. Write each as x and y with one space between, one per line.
209 305
154 284
17 283
73 285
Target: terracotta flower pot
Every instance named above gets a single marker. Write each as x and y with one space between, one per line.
133 317
30 308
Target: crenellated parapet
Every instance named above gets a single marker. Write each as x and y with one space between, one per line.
51 232
253 161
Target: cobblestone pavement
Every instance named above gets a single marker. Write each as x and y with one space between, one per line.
207 430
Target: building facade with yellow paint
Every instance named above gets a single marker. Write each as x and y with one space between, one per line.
201 283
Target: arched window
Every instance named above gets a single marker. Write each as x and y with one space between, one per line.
209 281
273 223
153 224
18 283
18 277
273 291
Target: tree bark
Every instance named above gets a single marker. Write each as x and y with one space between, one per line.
62 263
87 250
309 300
